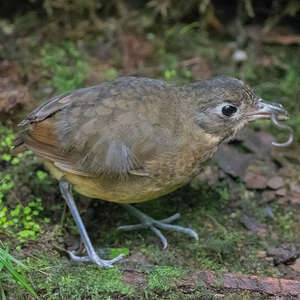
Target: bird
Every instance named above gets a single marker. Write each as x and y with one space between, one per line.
135 139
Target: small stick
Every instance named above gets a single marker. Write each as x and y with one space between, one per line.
282 126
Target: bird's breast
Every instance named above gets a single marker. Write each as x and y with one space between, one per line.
167 173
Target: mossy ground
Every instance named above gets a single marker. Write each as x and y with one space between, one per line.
224 244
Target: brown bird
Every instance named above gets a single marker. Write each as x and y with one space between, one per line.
135 139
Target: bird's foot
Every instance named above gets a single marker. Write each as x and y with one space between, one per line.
153 225
94 258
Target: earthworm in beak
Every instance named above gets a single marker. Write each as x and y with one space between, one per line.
282 126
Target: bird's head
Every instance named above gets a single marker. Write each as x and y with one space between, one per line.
227 104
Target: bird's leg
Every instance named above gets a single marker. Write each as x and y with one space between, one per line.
65 189
148 222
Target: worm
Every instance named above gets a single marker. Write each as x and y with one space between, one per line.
282 126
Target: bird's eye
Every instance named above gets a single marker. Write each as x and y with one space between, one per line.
228 110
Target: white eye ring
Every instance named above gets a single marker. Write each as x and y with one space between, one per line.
219 110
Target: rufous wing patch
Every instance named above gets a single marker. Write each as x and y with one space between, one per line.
44 132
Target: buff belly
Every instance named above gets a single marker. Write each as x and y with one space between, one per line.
134 189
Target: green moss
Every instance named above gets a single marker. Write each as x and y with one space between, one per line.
92 282
55 278
111 74
284 221
22 220
162 278
65 65
114 252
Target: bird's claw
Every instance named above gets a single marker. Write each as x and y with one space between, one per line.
94 258
153 225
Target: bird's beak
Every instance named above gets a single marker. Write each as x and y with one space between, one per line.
265 110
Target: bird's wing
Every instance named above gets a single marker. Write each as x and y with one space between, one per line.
98 131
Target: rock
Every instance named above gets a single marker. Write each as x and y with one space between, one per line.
268 212
294 198
259 143
281 192
233 162
255 181
275 182
253 225
294 187
284 254
296 265
291 197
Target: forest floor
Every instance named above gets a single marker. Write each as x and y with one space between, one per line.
244 205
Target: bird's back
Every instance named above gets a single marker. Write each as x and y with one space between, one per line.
128 139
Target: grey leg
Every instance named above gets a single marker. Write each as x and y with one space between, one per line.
148 222
65 189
